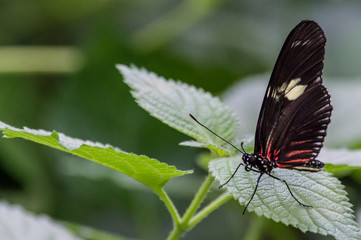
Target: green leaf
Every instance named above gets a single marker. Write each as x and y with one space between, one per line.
221 152
18 224
340 162
92 234
172 102
341 157
331 213
148 171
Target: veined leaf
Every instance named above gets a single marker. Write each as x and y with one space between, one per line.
148 171
340 161
331 213
221 152
172 102
341 157
17 224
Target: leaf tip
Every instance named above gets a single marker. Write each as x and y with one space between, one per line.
121 67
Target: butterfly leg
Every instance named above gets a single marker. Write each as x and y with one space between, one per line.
234 173
254 192
289 189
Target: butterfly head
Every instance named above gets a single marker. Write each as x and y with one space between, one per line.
249 161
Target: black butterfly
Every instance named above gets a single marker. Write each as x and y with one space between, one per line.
295 112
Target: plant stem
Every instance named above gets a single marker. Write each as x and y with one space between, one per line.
188 220
176 233
181 226
198 199
255 229
170 206
225 197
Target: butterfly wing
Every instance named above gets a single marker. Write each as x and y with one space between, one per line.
296 108
299 135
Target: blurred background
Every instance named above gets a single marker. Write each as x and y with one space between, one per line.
57 72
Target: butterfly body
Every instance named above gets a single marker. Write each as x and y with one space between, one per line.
256 162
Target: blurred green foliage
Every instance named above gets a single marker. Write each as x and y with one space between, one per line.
210 44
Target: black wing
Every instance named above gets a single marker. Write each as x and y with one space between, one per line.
299 135
296 108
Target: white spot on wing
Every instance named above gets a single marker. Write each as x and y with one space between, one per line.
295 43
274 94
295 92
282 88
300 42
268 91
291 90
292 84
305 42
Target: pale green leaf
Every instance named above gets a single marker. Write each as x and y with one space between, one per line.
148 171
331 213
341 161
341 157
18 224
222 152
172 101
93 234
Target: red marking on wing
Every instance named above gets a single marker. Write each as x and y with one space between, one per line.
283 165
262 152
291 163
299 142
298 160
297 152
275 153
305 131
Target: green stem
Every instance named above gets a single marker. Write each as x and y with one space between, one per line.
255 229
170 206
189 219
183 225
225 197
176 233
198 199
31 59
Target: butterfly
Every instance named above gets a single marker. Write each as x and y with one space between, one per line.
295 112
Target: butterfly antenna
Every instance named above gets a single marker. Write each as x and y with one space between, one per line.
218 135
244 151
